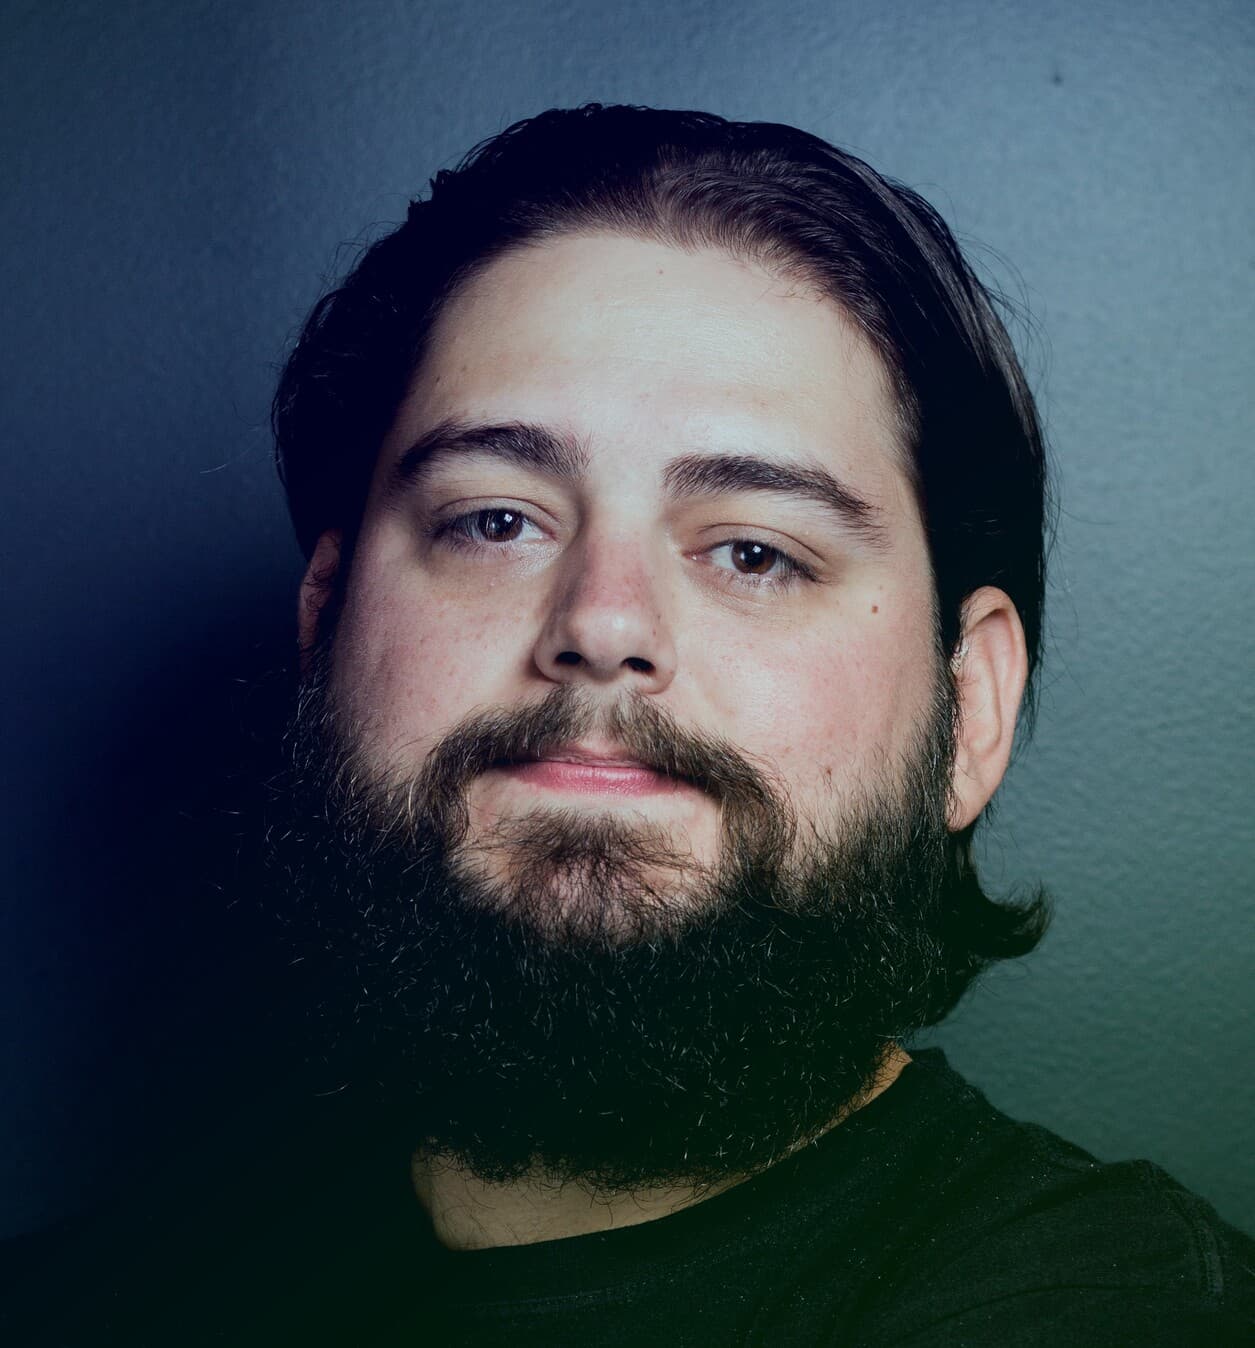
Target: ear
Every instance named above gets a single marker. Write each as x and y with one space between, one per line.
990 668
315 590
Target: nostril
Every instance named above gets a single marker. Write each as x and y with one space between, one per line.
568 658
639 665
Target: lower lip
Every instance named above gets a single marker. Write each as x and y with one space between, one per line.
591 778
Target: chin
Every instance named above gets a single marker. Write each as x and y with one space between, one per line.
683 828
575 875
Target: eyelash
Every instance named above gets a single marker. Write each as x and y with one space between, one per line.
459 532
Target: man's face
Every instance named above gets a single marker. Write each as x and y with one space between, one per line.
619 803
722 524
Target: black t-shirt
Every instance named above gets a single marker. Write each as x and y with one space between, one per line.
927 1218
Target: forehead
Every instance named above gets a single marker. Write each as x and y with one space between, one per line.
641 348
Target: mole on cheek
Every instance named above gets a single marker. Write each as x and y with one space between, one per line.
875 608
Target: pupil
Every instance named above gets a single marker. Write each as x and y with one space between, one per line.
497 525
755 558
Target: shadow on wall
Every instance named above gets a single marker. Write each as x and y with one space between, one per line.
161 982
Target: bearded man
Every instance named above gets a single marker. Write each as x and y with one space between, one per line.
675 509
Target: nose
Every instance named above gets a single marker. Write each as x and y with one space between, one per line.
606 620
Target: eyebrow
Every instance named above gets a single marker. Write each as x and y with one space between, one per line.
562 456
519 442
713 474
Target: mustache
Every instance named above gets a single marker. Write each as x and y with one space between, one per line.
650 734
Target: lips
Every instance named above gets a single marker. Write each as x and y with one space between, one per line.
591 769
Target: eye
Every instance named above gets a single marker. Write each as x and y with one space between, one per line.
495 524
753 559
498 526
757 561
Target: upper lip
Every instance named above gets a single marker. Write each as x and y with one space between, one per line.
594 756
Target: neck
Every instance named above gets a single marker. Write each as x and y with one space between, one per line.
468 1213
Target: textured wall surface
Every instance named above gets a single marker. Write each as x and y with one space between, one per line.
178 179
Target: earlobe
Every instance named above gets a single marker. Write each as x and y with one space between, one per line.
316 585
990 667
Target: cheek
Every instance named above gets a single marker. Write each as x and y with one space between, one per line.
829 708
409 667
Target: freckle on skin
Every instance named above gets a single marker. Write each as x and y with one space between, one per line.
875 608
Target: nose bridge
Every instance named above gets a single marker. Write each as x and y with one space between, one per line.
607 616
614 574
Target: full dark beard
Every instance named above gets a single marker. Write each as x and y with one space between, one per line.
610 1013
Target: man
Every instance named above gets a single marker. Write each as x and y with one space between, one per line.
675 511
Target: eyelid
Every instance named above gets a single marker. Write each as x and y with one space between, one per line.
461 507
729 528
458 485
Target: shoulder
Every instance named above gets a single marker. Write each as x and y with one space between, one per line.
1016 1235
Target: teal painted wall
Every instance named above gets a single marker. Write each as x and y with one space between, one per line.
178 177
